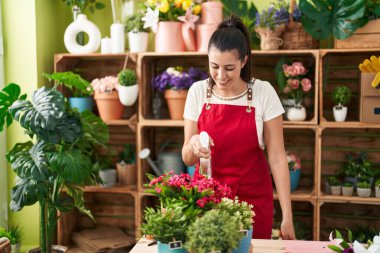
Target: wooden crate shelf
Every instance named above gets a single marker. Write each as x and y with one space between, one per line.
352 200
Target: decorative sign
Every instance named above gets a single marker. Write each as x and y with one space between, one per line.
175 245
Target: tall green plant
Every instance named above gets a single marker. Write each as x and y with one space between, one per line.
79 86
54 160
92 5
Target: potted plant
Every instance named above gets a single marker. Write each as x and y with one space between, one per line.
174 82
294 164
215 231
127 87
377 188
341 96
347 188
80 88
53 169
126 168
335 185
137 34
107 98
14 234
242 211
106 169
364 189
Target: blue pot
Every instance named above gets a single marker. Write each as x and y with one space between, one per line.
294 179
245 242
164 248
191 170
82 104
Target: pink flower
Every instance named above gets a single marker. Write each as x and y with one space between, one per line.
287 89
158 190
299 69
306 84
105 84
288 70
294 83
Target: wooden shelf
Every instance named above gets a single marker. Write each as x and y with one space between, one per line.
348 124
305 195
116 189
353 199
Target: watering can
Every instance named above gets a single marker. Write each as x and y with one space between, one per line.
166 161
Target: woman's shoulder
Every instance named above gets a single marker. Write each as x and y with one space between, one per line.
261 86
199 87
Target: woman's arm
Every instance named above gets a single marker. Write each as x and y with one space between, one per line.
274 140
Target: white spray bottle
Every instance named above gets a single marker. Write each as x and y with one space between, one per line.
205 163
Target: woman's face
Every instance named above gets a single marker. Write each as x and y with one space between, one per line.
225 67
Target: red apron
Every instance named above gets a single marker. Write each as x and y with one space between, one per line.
237 159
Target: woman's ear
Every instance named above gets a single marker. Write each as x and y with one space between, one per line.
244 61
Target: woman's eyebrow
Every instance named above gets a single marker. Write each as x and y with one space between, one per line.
228 65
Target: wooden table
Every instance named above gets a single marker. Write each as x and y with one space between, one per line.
258 246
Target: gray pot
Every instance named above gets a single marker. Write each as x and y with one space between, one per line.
364 192
108 177
347 191
335 190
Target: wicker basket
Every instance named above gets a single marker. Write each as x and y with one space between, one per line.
295 36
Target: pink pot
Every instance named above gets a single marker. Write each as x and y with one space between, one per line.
169 37
204 32
212 12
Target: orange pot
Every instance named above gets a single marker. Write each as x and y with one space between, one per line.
204 32
176 103
109 105
212 12
169 37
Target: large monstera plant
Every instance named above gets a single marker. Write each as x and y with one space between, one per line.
55 164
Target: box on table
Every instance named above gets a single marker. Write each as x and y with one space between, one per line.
369 100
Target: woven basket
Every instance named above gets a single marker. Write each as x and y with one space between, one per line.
295 36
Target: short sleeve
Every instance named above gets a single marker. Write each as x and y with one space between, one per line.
271 103
194 102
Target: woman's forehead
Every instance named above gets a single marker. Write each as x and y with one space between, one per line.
215 54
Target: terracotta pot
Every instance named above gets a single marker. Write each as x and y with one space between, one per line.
54 249
126 174
204 33
212 12
176 103
109 105
169 37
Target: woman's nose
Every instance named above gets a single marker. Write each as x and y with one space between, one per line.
221 74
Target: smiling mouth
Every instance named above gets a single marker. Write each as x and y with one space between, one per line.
223 82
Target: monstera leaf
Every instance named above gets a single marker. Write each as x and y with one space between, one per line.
26 192
72 166
320 18
28 161
74 82
95 131
8 96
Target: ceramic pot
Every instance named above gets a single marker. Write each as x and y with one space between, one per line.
212 12
82 103
138 41
245 243
109 105
176 103
294 179
128 94
335 190
164 248
204 32
364 192
377 191
347 190
15 248
340 113
108 177
169 37
126 174
296 113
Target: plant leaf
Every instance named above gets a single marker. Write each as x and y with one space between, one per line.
335 248
26 192
338 234
95 131
8 96
71 81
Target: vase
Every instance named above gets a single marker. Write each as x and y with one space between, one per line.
109 105
347 190
212 12
287 103
294 179
176 103
15 248
138 41
126 173
340 113
128 94
82 103
364 192
245 243
296 113
108 177
204 32
335 190
164 248
270 39
169 37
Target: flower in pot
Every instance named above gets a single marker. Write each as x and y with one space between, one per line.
270 24
137 34
294 164
81 90
215 231
377 188
335 185
294 84
341 97
126 168
347 188
363 189
14 234
244 214
107 98
127 87
174 82
54 168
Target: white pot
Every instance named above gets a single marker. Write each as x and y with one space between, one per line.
108 177
297 113
364 192
347 191
335 190
15 248
128 94
377 189
340 113
138 41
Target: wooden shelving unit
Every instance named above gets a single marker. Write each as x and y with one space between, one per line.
313 140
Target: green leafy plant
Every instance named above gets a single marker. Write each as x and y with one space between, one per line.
52 162
333 181
364 233
13 233
377 183
92 5
134 23
242 211
357 165
127 77
364 184
214 231
128 155
79 86
373 9
341 95
347 184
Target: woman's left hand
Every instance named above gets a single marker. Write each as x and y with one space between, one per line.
287 230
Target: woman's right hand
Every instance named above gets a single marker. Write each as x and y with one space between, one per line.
197 149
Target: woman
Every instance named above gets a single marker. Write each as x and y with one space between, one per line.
239 114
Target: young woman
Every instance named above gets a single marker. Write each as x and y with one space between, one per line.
241 116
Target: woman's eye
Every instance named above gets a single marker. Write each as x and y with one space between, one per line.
229 69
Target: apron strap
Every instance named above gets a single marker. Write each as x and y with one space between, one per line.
249 96
208 95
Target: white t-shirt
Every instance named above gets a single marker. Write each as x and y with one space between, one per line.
265 101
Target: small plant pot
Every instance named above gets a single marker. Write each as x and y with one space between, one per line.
128 94
164 248
294 179
377 191
340 113
364 192
54 249
15 248
126 174
82 103
335 190
296 113
138 41
108 177
245 242
347 190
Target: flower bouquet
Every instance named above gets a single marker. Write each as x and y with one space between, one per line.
294 164
175 82
341 245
